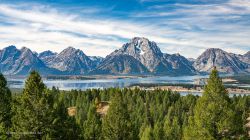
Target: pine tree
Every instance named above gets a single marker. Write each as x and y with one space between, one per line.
5 108
92 126
33 110
147 133
64 127
172 127
213 117
158 131
116 124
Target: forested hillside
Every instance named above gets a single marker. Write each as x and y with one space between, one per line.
124 114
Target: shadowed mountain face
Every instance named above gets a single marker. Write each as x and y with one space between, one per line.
139 56
225 62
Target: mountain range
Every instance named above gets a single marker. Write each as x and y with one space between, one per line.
139 56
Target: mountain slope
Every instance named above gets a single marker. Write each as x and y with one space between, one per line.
72 61
151 57
179 64
97 60
143 50
246 58
224 62
47 56
21 62
138 56
120 64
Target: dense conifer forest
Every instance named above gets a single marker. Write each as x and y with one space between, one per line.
121 114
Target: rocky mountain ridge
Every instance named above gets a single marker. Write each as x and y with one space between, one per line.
224 62
20 62
149 55
138 56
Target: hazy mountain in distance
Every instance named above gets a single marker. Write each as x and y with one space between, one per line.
224 62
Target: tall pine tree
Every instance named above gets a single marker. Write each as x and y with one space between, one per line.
5 108
116 124
213 117
92 126
64 127
33 110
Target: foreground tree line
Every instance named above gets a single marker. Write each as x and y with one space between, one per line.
42 113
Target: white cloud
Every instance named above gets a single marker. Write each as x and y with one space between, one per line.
41 28
198 27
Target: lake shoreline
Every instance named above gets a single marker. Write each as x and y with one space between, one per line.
197 89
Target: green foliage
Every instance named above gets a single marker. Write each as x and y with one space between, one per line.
36 114
147 133
171 126
116 124
5 108
92 126
33 110
63 126
213 117
41 113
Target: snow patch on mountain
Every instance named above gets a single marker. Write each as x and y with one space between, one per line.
138 47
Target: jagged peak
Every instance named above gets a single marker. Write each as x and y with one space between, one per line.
71 49
177 54
135 39
140 40
25 49
47 53
141 45
95 57
11 47
214 49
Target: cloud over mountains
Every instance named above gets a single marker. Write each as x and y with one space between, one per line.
188 27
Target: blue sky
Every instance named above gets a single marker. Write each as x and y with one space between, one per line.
98 27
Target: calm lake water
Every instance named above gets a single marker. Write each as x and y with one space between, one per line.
107 83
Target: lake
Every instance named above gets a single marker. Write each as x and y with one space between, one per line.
107 83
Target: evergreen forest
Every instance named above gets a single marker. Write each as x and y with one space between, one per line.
38 112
